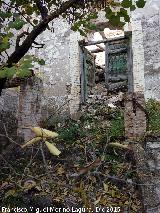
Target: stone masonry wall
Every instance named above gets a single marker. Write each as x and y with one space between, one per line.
61 73
146 48
29 109
20 107
75 73
56 72
151 38
8 116
138 54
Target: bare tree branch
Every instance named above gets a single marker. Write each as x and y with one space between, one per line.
43 10
23 49
19 38
39 45
37 30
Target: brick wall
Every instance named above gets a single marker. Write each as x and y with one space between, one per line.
134 116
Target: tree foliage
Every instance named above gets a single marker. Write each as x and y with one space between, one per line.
15 15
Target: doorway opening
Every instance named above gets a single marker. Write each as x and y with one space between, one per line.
107 64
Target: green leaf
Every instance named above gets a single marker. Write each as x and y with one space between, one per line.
4 41
17 24
82 33
35 21
10 35
28 57
11 24
29 10
41 62
75 27
7 72
114 20
92 27
23 73
92 16
133 7
126 3
4 46
140 3
2 73
123 13
4 15
109 13
10 72
26 65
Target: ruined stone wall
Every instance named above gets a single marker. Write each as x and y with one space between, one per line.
29 106
138 54
146 48
75 73
89 71
134 116
55 74
21 107
61 73
8 115
151 38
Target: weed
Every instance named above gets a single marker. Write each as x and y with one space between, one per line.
117 125
153 109
71 132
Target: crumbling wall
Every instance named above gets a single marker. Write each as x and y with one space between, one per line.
61 73
20 107
146 48
87 74
90 63
138 54
75 72
8 116
151 38
134 116
29 107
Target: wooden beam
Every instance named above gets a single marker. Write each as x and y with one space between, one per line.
100 47
83 43
97 51
106 64
130 66
120 50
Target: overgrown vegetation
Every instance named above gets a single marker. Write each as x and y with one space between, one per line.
88 173
112 128
153 109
